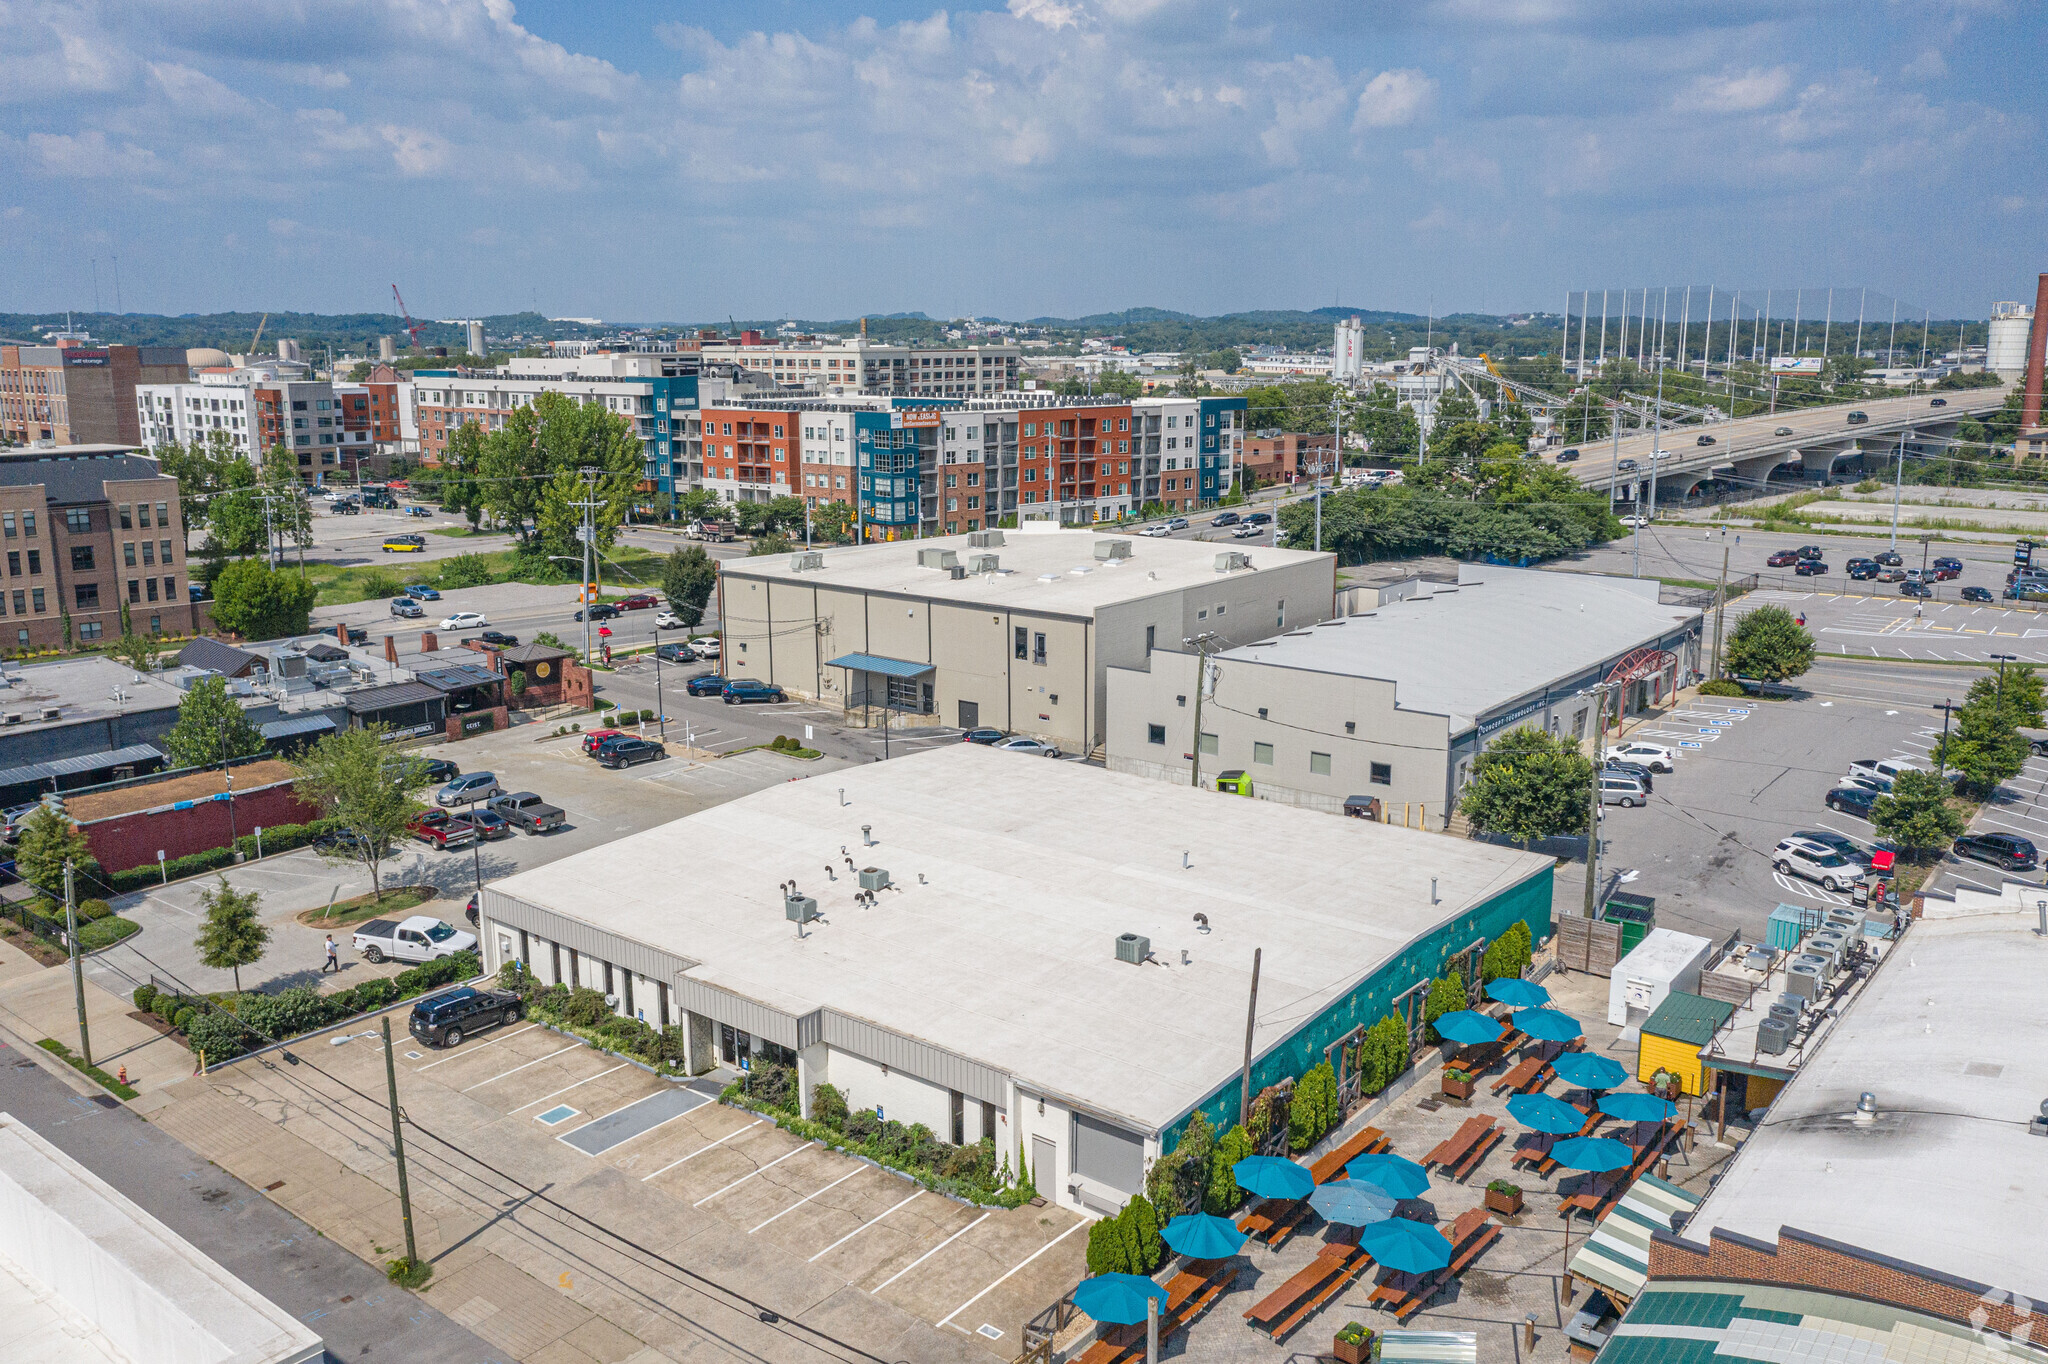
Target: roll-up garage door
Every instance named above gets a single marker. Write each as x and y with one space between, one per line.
1108 1154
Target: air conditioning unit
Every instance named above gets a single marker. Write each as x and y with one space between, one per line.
1133 948
13 717
1805 978
52 712
1773 1036
984 563
1112 549
1232 561
808 562
1788 1013
937 558
985 539
873 878
799 909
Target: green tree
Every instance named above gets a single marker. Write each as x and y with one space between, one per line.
1314 1110
282 498
1915 815
140 652
772 542
212 727
232 935
1223 1194
1138 1228
1106 1254
1769 646
832 523
1383 1054
351 776
461 465
1984 745
688 576
1528 785
2017 690
46 841
257 602
1446 996
568 438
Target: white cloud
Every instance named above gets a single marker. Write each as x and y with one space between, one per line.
415 151
1393 99
1051 13
1738 93
1928 66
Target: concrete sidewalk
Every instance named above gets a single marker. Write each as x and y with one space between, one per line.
38 1002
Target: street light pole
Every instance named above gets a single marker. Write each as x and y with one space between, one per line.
1947 708
1593 814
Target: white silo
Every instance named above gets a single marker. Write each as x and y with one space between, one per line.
1347 351
2011 325
476 338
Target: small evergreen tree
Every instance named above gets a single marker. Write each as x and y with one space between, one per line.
1191 1173
1224 1195
1139 1225
1446 995
1106 1248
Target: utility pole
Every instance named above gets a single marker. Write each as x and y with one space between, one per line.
412 1257
1720 609
1337 406
1898 482
1251 1016
1948 708
589 538
1201 679
77 965
1593 797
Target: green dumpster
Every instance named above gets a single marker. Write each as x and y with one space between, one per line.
1234 782
1636 915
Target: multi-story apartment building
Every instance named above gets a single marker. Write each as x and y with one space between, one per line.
91 541
863 367
1284 456
79 394
259 409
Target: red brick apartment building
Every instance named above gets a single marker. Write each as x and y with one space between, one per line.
70 394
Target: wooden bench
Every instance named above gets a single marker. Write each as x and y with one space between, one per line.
1407 1294
1356 1263
1115 1346
1365 1141
1188 1294
1328 1263
1606 1190
1274 1220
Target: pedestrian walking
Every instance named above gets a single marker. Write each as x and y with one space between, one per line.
333 962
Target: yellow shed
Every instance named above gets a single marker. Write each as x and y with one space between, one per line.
1673 1035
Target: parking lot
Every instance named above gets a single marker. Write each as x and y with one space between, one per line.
1850 624
813 1235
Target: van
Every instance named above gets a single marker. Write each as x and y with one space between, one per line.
1881 771
1618 788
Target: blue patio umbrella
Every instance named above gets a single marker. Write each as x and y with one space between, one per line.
1545 1114
1353 1203
1273 1177
1398 1175
1467 1028
1586 1070
1592 1153
1403 1244
1203 1236
1521 994
1637 1107
1117 1298
1548 1025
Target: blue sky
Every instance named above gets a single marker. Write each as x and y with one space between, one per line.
646 161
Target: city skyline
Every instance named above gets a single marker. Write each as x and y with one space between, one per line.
1044 158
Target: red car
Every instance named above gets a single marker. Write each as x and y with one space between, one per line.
639 601
592 739
442 829
1784 558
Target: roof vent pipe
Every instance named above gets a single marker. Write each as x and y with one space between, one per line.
1866 1107
867 839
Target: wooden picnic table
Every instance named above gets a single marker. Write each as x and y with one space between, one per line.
1461 1153
1529 1074
1365 1141
1604 1190
1328 1263
1407 1294
1188 1294
1275 1219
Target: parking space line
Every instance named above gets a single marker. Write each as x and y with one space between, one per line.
1020 1264
566 1088
503 1037
809 1196
859 1229
749 1175
702 1149
933 1251
516 1069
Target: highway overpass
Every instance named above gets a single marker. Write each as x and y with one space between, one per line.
1810 443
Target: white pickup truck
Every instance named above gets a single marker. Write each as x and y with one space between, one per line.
420 938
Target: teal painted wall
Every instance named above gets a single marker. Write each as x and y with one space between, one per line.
1374 997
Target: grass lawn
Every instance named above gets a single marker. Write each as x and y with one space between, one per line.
364 907
368 582
106 932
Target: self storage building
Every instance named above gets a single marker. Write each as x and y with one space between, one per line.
1043 953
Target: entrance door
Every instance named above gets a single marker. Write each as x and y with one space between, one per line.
970 715
1045 1164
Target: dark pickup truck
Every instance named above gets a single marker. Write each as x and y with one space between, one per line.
527 810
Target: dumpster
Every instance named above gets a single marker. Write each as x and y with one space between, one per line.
1363 807
1789 924
1635 915
1234 782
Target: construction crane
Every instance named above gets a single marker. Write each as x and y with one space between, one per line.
412 328
259 333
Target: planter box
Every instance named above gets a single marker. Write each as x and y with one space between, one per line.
1353 1353
1459 1089
1506 1204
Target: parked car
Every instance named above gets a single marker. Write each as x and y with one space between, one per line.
672 652
1811 552
1706 440
1853 800
1913 587
498 639
707 646
419 938
420 512
444 1020
2001 850
525 810
489 824
1858 418
669 620
1891 575
981 736
1023 743
421 592
1833 842
1782 431
1225 519
406 607
1937 402
705 684
1888 557
1784 558
441 829
437 769
464 620
639 601
740 690
1636 521
1629 769
593 738
1949 561
467 790
1939 574
1885 770
628 752
344 842
598 611
1796 857
1656 757
1177 523
1861 569
1978 594
1618 788
1810 568
405 544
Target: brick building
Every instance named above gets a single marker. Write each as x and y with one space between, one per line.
73 394
84 532
1284 456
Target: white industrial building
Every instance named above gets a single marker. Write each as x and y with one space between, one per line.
1396 701
1347 354
1053 957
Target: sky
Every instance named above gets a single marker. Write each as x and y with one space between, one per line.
649 161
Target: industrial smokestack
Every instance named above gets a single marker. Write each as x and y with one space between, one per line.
2037 352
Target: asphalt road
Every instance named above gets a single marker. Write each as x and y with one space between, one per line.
357 1313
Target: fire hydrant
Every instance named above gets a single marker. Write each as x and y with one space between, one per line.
122 1075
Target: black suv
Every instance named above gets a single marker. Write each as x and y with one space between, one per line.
445 1020
628 751
2001 850
603 610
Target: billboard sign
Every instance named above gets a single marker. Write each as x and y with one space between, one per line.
1795 364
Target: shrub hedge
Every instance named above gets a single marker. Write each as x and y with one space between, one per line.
283 838
237 1023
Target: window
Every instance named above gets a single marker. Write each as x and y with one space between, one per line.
77 520
171 594
1382 774
1208 744
21 636
1038 647
7 521
156 625
150 585
1319 764
1155 734
90 629
88 595
28 523
128 553
1023 642
81 558
126 516
142 514
1151 633
35 596
35 562
134 589
1262 753
163 552
14 563
148 553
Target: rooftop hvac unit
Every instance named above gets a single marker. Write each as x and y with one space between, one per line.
1804 978
1833 941
985 539
984 563
1133 948
13 717
1823 963
52 712
799 909
1796 1003
807 562
1850 921
937 558
957 572
1773 1036
1788 1013
288 665
1230 561
1757 959
1112 549
873 878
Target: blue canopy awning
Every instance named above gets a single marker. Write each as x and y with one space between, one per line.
875 663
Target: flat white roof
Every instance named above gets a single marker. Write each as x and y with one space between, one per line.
1950 1036
1013 877
1052 569
1467 650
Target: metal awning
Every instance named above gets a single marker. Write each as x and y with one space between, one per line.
875 663
1429 1347
298 724
134 754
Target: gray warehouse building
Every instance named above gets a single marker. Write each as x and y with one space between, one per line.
1011 629
1396 701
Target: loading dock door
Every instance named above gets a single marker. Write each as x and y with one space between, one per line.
970 715
1108 1154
